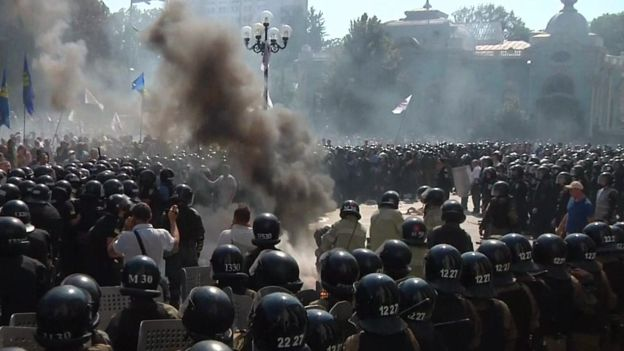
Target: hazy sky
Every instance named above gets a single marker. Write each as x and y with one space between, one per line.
535 13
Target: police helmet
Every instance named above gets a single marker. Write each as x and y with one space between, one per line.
550 252
147 178
9 192
92 288
227 263
183 194
350 207
208 313
499 255
140 277
275 268
414 231
453 212
564 178
45 179
396 257
16 172
278 322
582 252
166 174
209 345
112 186
420 191
40 194
339 270
322 332
117 202
618 232
25 187
443 265
500 189
14 180
266 230
418 300
390 199
105 176
131 189
476 276
605 179
434 197
20 210
13 237
368 261
601 234
93 189
377 305
521 253
43 170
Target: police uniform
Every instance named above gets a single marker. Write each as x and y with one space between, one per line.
403 341
500 217
498 330
432 216
451 234
348 233
105 270
24 281
456 319
524 310
520 192
385 225
606 205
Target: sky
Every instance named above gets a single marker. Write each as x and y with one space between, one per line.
535 13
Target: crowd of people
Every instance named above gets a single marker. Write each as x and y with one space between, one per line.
75 220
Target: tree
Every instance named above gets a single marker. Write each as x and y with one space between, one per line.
89 20
611 28
514 27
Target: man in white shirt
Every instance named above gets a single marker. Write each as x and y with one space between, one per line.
475 190
240 233
140 238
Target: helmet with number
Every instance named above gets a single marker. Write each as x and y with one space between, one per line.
618 233
183 194
117 202
40 194
45 179
390 199
64 318
278 322
476 276
500 189
25 187
208 313
13 237
414 231
209 345
112 186
17 172
20 210
521 253
350 207
9 192
434 197
323 332
453 212
443 265
600 232
93 189
420 191
92 288
227 263
339 270
377 305
564 178
140 277
418 300
605 179
275 268
396 257
266 230
550 252
368 261
582 252
500 257
131 189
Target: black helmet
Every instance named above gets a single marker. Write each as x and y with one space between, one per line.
266 230
25 187
131 189
278 322
396 257
414 231
29 173
140 277
208 313
339 270
59 195
521 253
517 172
40 194
227 263
600 232
476 276
582 252
618 232
92 288
45 179
117 202
605 179
453 212
16 172
105 176
564 178
323 332
20 210
64 318
418 300
500 257
13 237
14 180
550 252
147 178
390 199
93 189
443 266
500 189
275 268
350 207
434 197
112 186
43 170
209 345
166 174
65 185
368 261
9 192
420 191
183 194
377 305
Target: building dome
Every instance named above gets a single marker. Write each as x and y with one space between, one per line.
568 22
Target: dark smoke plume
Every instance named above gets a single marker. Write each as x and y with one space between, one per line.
206 92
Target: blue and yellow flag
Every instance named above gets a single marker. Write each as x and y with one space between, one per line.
139 83
28 94
5 117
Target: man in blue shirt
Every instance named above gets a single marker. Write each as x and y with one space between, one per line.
580 210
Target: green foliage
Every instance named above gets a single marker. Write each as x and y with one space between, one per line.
514 27
611 28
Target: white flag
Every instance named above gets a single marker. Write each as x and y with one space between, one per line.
91 100
116 123
269 101
70 117
402 106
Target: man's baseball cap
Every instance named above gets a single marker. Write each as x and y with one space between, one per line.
575 185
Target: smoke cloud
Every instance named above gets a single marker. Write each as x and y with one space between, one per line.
207 94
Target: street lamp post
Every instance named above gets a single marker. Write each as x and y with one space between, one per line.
267 45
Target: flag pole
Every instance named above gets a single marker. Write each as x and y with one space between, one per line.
141 121
24 136
57 129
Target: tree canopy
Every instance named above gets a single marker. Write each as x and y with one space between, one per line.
611 28
513 26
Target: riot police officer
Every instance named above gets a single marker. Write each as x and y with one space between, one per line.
275 268
209 345
606 199
368 262
451 233
500 216
415 236
208 314
40 243
377 311
267 230
434 199
386 221
519 191
488 178
543 203
563 179
396 258
348 233
44 216
323 332
418 300
140 280
24 279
